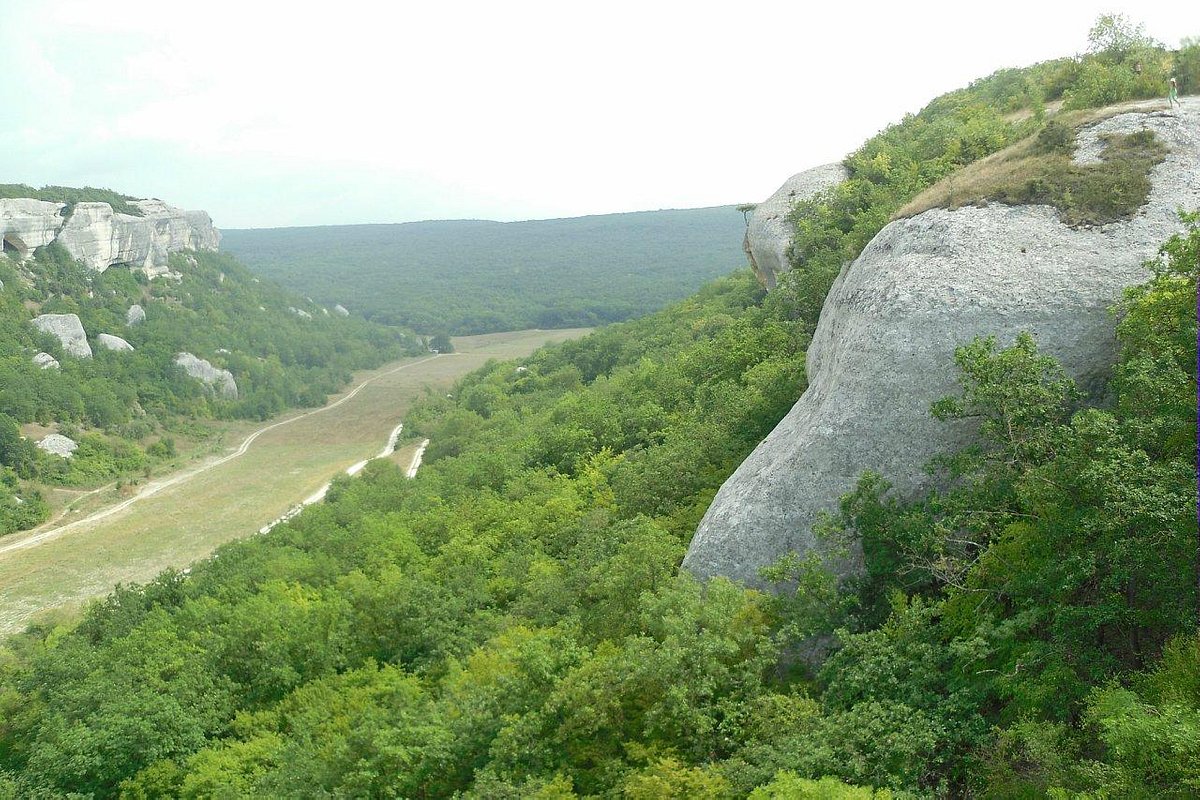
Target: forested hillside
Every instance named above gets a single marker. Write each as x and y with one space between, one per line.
513 623
125 408
472 276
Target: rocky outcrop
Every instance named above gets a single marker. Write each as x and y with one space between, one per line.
46 361
299 312
58 444
136 315
768 232
110 342
220 380
69 331
883 350
100 237
27 224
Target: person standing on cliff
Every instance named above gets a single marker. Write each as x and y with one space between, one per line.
1173 94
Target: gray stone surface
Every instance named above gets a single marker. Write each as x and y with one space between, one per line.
46 361
299 312
341 310
768 234
27 224
220 380
58 444
110 342
136 315
69 331
100 237
883 349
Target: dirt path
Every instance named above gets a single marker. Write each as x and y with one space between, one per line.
183 517
42 534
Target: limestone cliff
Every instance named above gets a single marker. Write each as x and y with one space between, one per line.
883 349
100 237
768 230
26 224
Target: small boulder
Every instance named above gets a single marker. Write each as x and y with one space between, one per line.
58 444
136 315
341 310
299 312
69 331
46 361
110 342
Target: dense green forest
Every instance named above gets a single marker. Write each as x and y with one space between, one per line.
124 408
472 276
512 623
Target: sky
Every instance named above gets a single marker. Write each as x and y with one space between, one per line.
265 114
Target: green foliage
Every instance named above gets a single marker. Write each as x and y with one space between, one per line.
511 623
218 311
472 276
789 786
71 195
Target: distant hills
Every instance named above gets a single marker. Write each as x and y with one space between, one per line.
477 276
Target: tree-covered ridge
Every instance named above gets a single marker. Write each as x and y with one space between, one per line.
473 276
511 623
71 195
123 407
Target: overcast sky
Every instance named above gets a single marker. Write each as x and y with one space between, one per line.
266 114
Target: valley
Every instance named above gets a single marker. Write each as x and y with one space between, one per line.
195 510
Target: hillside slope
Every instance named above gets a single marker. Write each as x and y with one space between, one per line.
472 276
116 336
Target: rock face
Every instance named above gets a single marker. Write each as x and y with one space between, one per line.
110 342
136 315
26 224
69 331
100 237
58 444
221 380
46 361
883 349
768 234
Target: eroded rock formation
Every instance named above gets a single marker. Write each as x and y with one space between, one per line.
27 224
101 237
69 331
768 232
220 380
883 349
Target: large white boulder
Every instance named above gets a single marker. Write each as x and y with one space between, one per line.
27 224
136 315
768 230
69 331
58 444
110 342
883 350
220 380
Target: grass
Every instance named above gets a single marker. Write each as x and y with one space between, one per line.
284 465
1039 170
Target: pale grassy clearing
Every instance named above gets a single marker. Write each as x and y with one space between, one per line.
1024 173
282 466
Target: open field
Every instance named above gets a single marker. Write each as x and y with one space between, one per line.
287 460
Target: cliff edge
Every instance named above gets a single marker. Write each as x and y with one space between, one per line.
883 351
